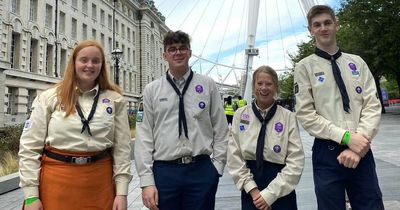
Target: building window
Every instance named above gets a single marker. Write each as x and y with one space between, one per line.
31 96
33 58
129 55
128 32
62 22
102 39
75 4
11 108
94 34
110 21
48 19
85 6
33 10
124 82
74 28
116 27
15 6
134 57
123 30
49 60
110 44
84 31
15 50
102 17
63 62
94 11
133 36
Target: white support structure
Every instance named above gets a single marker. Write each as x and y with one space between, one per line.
254 6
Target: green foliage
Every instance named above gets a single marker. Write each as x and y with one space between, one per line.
305 49
132 121
9 139
286 85
391 88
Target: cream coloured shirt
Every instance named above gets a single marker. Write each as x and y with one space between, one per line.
282 146
157 136
319 106
47 125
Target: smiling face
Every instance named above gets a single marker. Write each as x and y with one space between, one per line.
177 55
88 63
265 86
324 27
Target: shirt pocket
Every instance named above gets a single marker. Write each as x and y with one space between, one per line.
201 106
276 147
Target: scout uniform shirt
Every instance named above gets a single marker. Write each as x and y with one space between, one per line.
319 105
47 125
157 136
282 146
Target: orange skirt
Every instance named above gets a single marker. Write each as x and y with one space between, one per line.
66 186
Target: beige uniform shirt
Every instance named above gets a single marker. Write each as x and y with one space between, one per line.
47 125
319 106
157 136
282 146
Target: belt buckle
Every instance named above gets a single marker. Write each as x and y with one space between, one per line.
187 159
81 160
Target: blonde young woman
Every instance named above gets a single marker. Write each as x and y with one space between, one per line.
74 149
265 154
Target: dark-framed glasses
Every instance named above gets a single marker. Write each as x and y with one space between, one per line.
174 50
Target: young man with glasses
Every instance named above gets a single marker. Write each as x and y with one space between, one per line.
337 103
181 141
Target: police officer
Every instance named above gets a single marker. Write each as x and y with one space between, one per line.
336 102
183 124
241 102
265 154
229 109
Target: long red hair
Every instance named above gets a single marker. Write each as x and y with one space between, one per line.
66 89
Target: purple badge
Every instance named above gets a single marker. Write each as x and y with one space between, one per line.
358 89
245 116
277 148
106 100
352 66
202 105
279 127
241 127
199 88
109 110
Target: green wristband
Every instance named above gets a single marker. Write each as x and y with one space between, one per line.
346 138
29 201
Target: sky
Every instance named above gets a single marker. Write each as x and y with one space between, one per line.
218 31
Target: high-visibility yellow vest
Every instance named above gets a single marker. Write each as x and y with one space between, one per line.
229 109
242 103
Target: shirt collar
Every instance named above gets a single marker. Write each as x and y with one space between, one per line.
93 91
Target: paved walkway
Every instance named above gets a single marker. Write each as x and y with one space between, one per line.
386 148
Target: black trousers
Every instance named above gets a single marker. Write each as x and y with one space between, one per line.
270 170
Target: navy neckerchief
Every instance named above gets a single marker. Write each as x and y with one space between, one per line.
182 117
85 121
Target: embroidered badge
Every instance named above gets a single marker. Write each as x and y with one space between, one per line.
277 148
296 88
202 105
245 116
352 66
109 110
241 127
27 125
279 127
199 88
358 89
106 100
163 99
320 78
245 121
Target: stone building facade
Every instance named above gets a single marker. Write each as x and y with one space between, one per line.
37 38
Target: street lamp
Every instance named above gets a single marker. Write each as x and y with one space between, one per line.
116 55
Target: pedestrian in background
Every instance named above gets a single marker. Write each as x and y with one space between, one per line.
337 103
265 153
75 147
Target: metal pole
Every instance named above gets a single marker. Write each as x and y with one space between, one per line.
113 45
56 42
117 70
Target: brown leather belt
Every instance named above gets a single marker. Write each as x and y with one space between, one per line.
80 160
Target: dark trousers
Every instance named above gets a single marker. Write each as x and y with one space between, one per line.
186 186
332 179
270 170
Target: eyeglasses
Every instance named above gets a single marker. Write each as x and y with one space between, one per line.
174 50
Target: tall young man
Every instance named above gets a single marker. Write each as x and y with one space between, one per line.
336 102
183 124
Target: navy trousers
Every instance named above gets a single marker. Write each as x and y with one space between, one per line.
186 186
270 170
332 179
